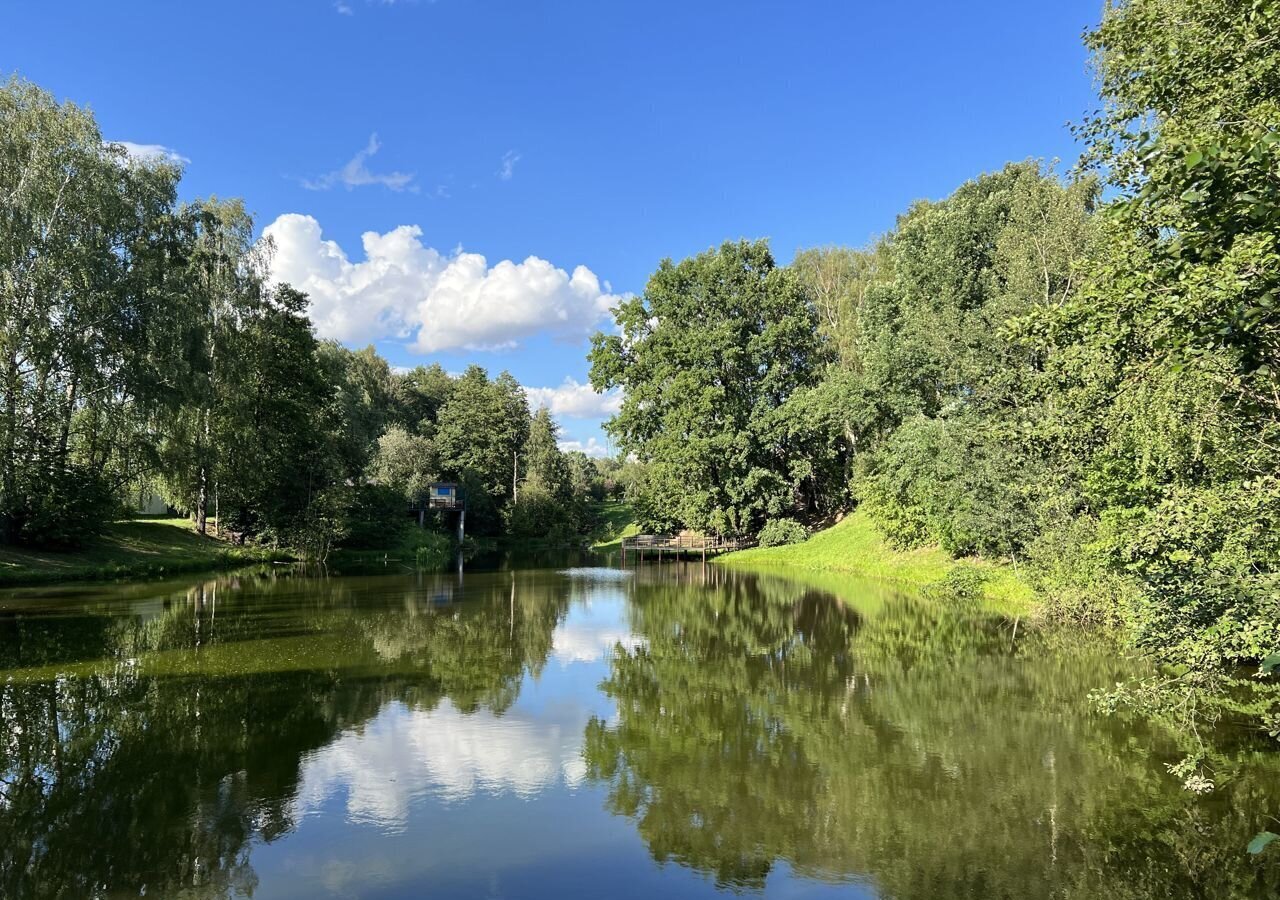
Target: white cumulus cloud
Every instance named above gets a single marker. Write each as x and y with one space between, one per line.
148 152
356 174
590 446
406 289
572 400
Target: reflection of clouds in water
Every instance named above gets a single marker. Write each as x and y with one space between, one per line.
403 753
597 621
589 641
599 573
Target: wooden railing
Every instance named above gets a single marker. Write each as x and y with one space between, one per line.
681 544
434 503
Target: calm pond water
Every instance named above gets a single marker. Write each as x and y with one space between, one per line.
553 731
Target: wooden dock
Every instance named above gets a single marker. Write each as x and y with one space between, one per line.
678 546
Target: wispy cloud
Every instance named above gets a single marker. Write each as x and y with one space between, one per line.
356 174
345 8
147 152
508 169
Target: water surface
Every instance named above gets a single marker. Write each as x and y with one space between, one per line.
549 731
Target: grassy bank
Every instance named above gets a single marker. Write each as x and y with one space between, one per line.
856 547
615 522
126 549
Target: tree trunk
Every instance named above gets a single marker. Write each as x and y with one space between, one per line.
202 501
9 479
202 498
64 435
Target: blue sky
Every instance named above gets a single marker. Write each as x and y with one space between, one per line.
601 135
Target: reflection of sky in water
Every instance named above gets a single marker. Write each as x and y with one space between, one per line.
440 803
326 697
404 754
378 772
592 629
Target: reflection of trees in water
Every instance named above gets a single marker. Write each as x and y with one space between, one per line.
930 751
178 740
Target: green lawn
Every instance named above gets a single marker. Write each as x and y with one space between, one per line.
134 547
856 547
617 521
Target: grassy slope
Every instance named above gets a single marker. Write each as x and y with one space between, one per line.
616 522
856 547
128 548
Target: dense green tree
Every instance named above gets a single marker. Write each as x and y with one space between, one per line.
226 281
585 478
546 468
418 395
837 280
708 355
550 503
273 458
481 429
363 401
935 413
84 236
406 462
1182 305
141 345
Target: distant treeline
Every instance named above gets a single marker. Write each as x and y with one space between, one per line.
1080 374
144 350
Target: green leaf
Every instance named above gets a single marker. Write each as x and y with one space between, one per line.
1260 841
1194 158
1269 664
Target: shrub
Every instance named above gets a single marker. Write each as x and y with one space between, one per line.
962 583
531 514
778 532
63 507
375 517
954 482
431 549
